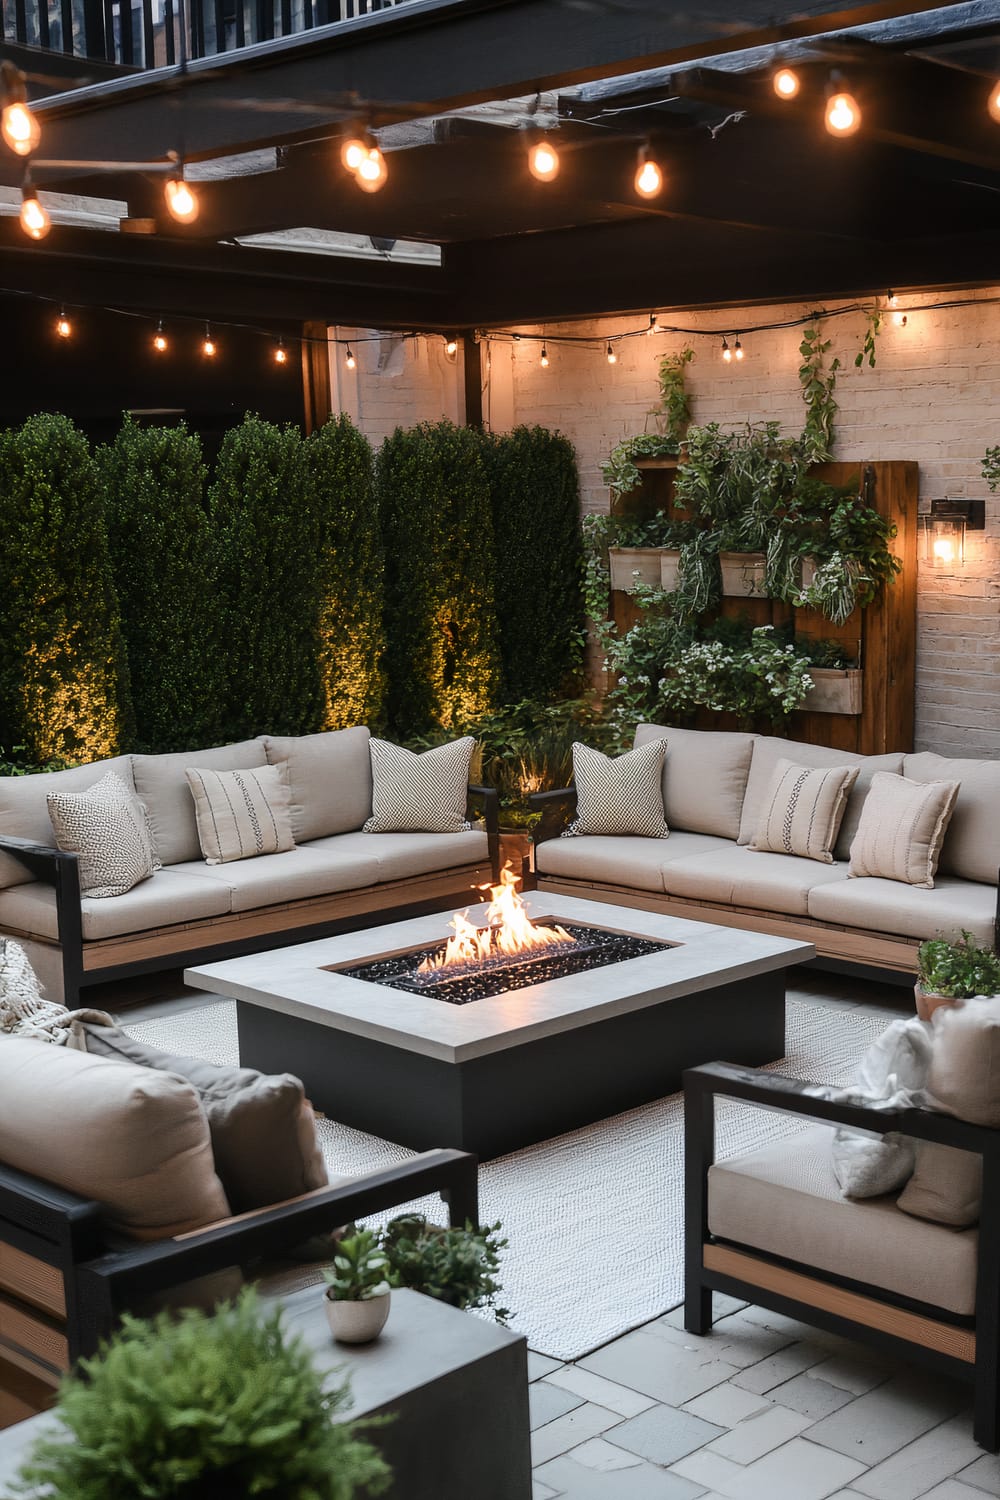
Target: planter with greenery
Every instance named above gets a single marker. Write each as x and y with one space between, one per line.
743 574
358 1289
948 973
456 1266
193 1406
670 417
835 690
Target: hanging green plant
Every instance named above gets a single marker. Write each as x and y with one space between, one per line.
671 417
818 381
991 469
873 327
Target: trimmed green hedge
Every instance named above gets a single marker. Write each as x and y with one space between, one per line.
340 466
538 571
268 539
163 554
63 675
440 614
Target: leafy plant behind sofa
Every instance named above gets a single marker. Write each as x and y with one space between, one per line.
165 565
64 689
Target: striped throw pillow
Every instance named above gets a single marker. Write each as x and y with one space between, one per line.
242 813
802 810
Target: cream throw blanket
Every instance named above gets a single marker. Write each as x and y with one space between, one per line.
24 1011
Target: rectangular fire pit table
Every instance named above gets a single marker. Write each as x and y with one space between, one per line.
500 1073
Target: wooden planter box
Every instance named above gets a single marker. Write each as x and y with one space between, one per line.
670 569
626 562
835 690
742 573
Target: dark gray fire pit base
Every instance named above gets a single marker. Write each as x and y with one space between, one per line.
527 1092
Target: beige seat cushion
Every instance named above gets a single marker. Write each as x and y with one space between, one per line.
162 786
402 856
169 896
902 828
241 814
330 777
704 777
769 749
910 911
971 847
24 811
292 876
634 862
784 1200
802 809
134 1139
744 877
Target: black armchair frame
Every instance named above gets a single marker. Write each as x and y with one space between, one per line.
965 1348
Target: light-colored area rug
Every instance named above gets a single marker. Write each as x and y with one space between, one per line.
595 1219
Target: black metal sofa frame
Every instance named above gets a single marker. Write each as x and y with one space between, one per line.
85 964
62 1290
966 1348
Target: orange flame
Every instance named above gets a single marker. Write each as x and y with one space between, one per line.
509 930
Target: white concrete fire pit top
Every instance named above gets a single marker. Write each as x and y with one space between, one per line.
297 981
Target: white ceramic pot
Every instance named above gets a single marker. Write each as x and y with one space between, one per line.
357 1322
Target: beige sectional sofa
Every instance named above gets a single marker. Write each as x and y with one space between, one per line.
334 878
713 785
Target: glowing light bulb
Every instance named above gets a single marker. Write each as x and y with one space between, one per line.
209 347
993 102
33 218
64 327
737 350
281 353
451 348
349 359
352 153
160 339
372 173
182 204
544 360
19 128
543 161
944 549
612 356
786 83
648 180
727 353
843 115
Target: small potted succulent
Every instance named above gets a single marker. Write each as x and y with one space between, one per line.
358 1287
948 973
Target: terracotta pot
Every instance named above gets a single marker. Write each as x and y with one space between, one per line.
928 1004
357 1322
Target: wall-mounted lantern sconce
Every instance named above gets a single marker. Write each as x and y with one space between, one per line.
943 529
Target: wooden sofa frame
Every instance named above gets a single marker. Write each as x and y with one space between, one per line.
966 1348
62 1291
883 956
209 939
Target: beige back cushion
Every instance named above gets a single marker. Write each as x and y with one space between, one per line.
330 777
162 786
902 828
769 749
964 1075
134 1139
971 848
704 777
24 811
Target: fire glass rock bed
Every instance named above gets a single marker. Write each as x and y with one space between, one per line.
522 1065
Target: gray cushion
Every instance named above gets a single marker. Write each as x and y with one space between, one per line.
635 862
24 812
704 777
401 856
292 876
784 1200
170 896
769 749
744 877
972 843
330 777
910 911
262 1127
162 786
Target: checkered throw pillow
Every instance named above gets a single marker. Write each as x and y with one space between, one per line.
419 793
623 795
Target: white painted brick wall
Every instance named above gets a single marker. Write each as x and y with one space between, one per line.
934 396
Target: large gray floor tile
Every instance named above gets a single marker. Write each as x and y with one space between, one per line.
566 1432
649 1363
813 1398
728 1404
913 1470
795 1471
887 1418
952 1489
663 1435
984 1474
546 1402
540 1364
736 1339
764 1377
607 1393
573 1481
751 1439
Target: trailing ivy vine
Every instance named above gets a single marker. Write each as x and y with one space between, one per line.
64 689
670 416
873 327
818 381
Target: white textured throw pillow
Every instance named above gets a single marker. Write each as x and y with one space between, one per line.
242 814
419 793
622 794
902 828
802 810
106 828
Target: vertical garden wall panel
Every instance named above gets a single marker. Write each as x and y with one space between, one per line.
440 614
269 539
165 565
539 561
63 677
340 469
